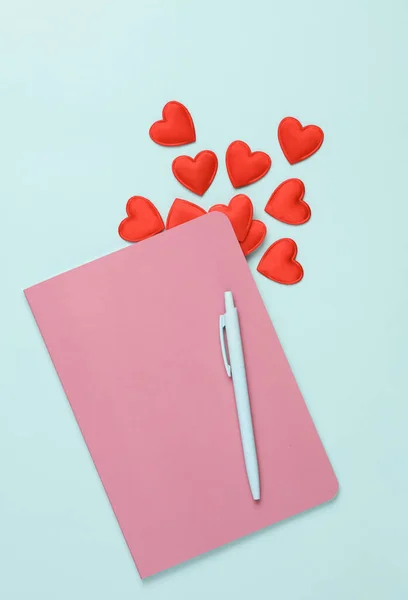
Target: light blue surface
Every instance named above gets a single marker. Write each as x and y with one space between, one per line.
81 82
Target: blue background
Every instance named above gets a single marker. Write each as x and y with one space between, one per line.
81 82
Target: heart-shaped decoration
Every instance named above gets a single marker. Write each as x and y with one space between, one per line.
298 142
239 211
279 264
255 237
176 128
182 211
143 220
286 204
245 167
196 174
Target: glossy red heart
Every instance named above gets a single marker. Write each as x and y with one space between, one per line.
239 211
176 128
278 262
143 220
182 211
254 238
245 167
298 142
286 204
196 174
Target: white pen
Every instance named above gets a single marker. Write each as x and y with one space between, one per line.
236 369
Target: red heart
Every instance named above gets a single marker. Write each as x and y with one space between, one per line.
287 205
298 142
245 167
182 211
143 220
239 211
196 174
278 262
176 128
255 237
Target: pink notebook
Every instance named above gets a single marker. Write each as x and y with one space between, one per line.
134 337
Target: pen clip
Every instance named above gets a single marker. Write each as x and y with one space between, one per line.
223 349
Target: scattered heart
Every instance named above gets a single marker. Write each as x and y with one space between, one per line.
239 211
182 211
298 142
196 174
286 204
254 238
176 128
143 220
279 264
245 167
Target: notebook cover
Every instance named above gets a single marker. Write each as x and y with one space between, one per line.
134 338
